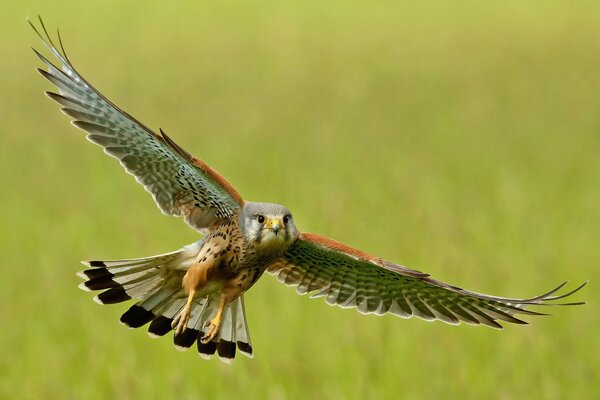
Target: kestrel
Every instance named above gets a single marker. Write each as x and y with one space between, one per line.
198 290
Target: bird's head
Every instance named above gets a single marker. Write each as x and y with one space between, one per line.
268 225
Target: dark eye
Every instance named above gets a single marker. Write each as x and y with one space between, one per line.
286 219
260 219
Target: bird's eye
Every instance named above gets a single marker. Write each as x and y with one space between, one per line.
260 219
286 219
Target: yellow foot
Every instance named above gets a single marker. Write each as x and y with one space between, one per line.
180 322
211 331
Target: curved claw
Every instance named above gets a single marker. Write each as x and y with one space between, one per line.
213 330
180 322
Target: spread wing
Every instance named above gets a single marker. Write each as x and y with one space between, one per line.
347 277
180 184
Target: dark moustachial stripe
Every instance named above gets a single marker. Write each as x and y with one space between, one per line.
114 295
136 316
160 326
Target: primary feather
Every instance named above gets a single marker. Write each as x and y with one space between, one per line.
180 184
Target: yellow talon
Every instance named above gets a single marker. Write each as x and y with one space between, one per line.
180 322
213 330
215 323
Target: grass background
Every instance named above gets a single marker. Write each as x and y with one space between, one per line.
459 138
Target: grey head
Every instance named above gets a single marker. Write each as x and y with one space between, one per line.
268 225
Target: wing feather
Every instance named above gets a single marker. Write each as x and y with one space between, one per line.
180 184
352 278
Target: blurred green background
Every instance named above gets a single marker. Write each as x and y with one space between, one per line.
459 138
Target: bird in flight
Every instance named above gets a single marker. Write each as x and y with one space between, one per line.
198 290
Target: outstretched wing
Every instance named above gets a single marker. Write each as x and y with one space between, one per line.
347 277
180 184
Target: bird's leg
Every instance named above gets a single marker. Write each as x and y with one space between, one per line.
196 277
227 296
214 325
180 322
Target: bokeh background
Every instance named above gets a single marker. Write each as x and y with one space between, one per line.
459 138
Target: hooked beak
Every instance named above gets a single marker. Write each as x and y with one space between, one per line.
274 225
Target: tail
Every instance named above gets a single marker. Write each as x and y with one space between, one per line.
156 283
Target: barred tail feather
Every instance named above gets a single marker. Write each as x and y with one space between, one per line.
242 334
234 329
226 345
161 324
156 283
131 278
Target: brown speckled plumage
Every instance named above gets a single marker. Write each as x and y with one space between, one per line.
197 291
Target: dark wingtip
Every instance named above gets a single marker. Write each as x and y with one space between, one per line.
45 30
33 26
45 74
518 321
575 303
577 289
547 295
38 53
524 311
62 48
59 98
547 298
